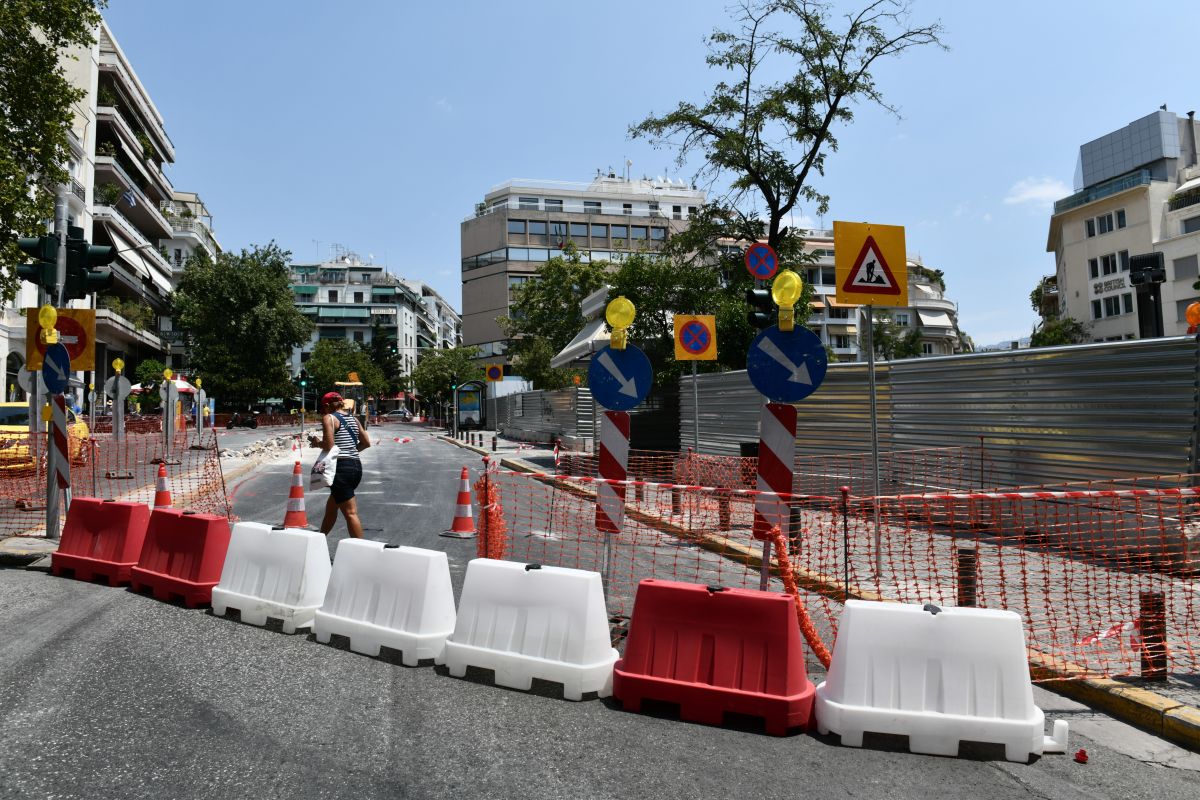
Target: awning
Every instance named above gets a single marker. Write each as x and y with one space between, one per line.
816 303
344 313
304 289
593 336
1194 183
935 319
835 304
383 290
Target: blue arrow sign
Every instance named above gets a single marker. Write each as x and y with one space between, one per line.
620 379
56 368
786 367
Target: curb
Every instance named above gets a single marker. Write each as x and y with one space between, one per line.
1166 718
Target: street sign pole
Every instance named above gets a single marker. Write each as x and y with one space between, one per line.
874 439
695 413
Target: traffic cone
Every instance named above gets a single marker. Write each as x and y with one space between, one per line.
162 494
295 516
463 526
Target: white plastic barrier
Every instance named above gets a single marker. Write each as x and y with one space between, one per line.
526 622
381 595
273 572
935 675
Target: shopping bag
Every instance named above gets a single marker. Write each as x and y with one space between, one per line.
324 469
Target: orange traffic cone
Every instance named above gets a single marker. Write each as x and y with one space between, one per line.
295 516
463 526
162 494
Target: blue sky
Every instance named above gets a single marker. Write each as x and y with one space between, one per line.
379 125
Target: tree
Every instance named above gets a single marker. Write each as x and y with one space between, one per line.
382 351
333 360
1067 330
771 135
35 115
438 370
149 374
239 320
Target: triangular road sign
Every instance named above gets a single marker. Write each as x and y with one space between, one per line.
871 273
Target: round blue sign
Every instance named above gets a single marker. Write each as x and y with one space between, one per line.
786 366
761 260
56 368
620 379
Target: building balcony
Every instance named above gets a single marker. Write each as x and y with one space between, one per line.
1121 183
190 227
146 250
919 301
111 117
115 67
120 334
144 213
1184 200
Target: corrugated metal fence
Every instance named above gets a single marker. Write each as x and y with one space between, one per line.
566 414
1047 415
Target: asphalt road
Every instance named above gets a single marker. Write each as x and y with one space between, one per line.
106 693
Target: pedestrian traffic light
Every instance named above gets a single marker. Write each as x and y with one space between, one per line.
44 252
760 299
303 378
82 258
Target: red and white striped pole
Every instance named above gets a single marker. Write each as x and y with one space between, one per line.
58 463
776 456
614 463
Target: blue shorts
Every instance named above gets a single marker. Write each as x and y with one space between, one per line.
346 479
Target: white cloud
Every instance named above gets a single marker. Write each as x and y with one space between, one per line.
442 104
1037 191
799 221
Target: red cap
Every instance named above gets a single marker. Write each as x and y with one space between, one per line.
331 397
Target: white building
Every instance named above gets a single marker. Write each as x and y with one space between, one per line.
1137 192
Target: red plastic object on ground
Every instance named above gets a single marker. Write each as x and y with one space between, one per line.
101 537
713 650
1081 756
182 556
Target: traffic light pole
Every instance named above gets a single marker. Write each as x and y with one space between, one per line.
60 233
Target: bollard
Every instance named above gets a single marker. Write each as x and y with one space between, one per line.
676 502
966 567
794 529
724 517
1153 625
493 444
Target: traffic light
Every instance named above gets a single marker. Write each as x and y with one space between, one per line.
766 315
1147 268
303 378
82 256
44 252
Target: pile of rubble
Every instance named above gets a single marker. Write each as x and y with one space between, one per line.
263 447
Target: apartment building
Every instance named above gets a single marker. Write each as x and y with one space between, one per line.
191 233
1137 192
521 224
445 322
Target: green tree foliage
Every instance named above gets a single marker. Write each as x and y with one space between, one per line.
383 352
1067 330
438 370
35 115
238 318
789 79
891 341
333 360
149 374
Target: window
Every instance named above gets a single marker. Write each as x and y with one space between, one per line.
527 203
1185 267
358 336
927 348
1104 224
1123 256
1120 218
1108 264
677 212
538 254
518 254
1093 268
627 208
599 231
1181 308
691 211
902 318
516 226
637 232
515 282
553 205
178 257
558 229
1091 228
842 313
1097 311
1191 225
658 234
840 341
654 212
333 295
537 228
620 231
358 297
1127 302
591 206
1112 306
828 276
579 229
366 277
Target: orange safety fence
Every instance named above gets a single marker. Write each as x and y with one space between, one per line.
1106 579
103 467
928 469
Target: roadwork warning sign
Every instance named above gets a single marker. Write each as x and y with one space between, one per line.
870 264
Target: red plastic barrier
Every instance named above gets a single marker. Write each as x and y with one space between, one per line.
713 650
101 537
182 556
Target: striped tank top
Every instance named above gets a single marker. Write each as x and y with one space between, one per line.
342 437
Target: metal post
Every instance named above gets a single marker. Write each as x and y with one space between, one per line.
764 575
60 233
1152 622
874 440
967 568
695 411
51 480
845 491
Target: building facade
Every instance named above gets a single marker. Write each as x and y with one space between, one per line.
1137 192
521 224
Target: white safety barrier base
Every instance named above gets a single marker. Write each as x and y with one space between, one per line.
525 621
387 596
279 573
935 675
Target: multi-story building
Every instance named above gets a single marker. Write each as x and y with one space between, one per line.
522 224
192 232
1137 192
345 298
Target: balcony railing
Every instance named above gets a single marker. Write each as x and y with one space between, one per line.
1101 190
1184 200
148 208
193 225
143 245
113 116
78 190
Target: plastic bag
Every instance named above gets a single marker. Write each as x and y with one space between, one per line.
324 469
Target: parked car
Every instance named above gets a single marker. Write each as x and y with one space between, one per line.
399 413
14 441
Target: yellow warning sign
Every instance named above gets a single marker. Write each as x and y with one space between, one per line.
871 264
695 337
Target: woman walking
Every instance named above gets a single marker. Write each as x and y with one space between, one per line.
341 430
